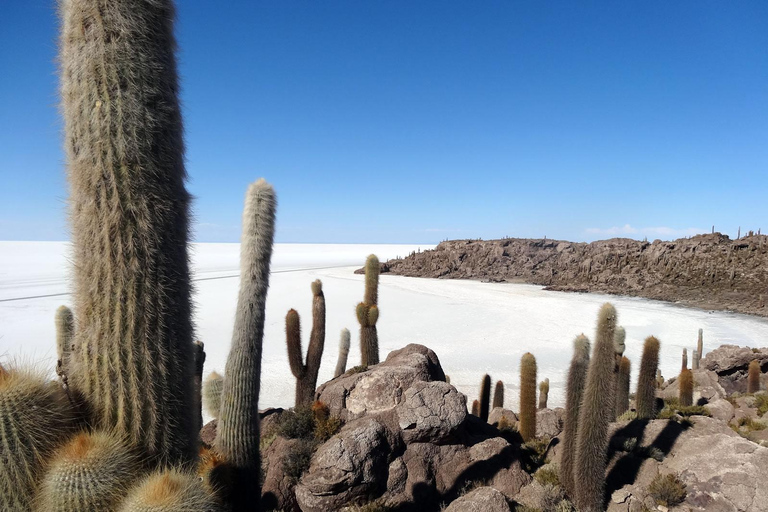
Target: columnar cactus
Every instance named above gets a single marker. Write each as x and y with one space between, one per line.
485 397
93 471
646 384
753 377
65 335
543 393
498 395
476 408
527 397
685 390
659 379
212 387
199 362
344 343
622 388
597 412
133 359
685 359
619 339
238 437
306 374
577 375
35 417
171 491
700 346
368 313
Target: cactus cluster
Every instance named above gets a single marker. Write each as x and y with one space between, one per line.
306 373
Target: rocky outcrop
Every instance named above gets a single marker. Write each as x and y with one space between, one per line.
431 412
482 499
708 271
731 362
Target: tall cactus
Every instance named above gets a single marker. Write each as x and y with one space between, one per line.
199 363
753 377
597 412
238 437
527 397
368 313
695 360
646 383
65 335
171 491
476 408
619 339
685 387
130 221
685 359
577 375
212 387
700 345
543 393
344 343
498 395
306 373
485 397
622 387
93 471
35 417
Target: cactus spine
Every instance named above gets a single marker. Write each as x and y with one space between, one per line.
498 395
344 343
485 397
93 471
527 397
368 313
753 377
238 437
543 393
577 375
685 388
306 374
646 385
35 417
65 335
212 387
171 491
622 388
129 211
597 412
685 359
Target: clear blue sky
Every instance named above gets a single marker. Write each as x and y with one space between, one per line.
398 121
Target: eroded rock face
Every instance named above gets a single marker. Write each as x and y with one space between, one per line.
351 465
549 423
431 412
381 387
706 387
497 413
731 363
482 499
277 493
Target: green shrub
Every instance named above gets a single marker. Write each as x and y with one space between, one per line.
667 490
761 402
297 424
356 369
694 410
749 424
298 458
548 475
627 416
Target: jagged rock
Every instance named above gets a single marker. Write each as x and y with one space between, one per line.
277 493
548 423
731 363
721 470
482 499
351 465
431 412
381 387
497 413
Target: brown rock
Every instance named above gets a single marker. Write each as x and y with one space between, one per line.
482 499
548 423
277 493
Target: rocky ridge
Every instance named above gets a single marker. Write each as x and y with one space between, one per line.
707 271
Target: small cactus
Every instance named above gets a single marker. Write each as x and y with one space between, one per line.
527 397
212 387
700 345
93 471
659 379
368 314
597 412
476 408
171 490
685 391
695 360
577 375
753 377
543 393
646 385
498 395
344 343
619 339
485 397
622 386
306 374
35 417
65 335
685 359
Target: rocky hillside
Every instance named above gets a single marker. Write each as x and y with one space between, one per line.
707 271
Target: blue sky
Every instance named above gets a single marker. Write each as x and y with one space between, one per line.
397 121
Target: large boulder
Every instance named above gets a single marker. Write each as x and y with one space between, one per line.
431 412
497 413
731 363
352 465
549 422
381 387
277 493
721 470
482 499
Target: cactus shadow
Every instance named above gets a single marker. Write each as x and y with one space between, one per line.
627 468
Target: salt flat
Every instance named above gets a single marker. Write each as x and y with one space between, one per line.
474 327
